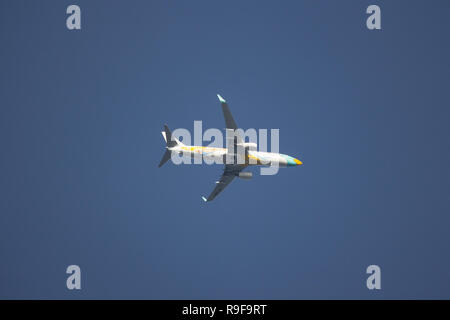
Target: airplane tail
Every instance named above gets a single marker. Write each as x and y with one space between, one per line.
170 143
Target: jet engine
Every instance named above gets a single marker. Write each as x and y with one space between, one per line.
245 175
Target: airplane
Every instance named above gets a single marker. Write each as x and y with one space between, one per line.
239 160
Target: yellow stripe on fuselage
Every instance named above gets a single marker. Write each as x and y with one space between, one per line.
195 148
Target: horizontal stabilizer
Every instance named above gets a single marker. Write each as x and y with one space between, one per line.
165 158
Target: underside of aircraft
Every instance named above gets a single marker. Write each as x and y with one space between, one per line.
236 157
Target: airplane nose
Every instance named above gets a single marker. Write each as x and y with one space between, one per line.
288 161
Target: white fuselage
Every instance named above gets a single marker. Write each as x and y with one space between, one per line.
248 157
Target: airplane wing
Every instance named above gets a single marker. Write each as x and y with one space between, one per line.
231 170
229 121
228 175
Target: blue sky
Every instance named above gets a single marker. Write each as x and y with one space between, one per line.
80 121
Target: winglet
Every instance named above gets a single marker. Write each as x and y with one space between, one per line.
221 99
204 199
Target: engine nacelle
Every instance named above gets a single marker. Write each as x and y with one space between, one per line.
245 175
